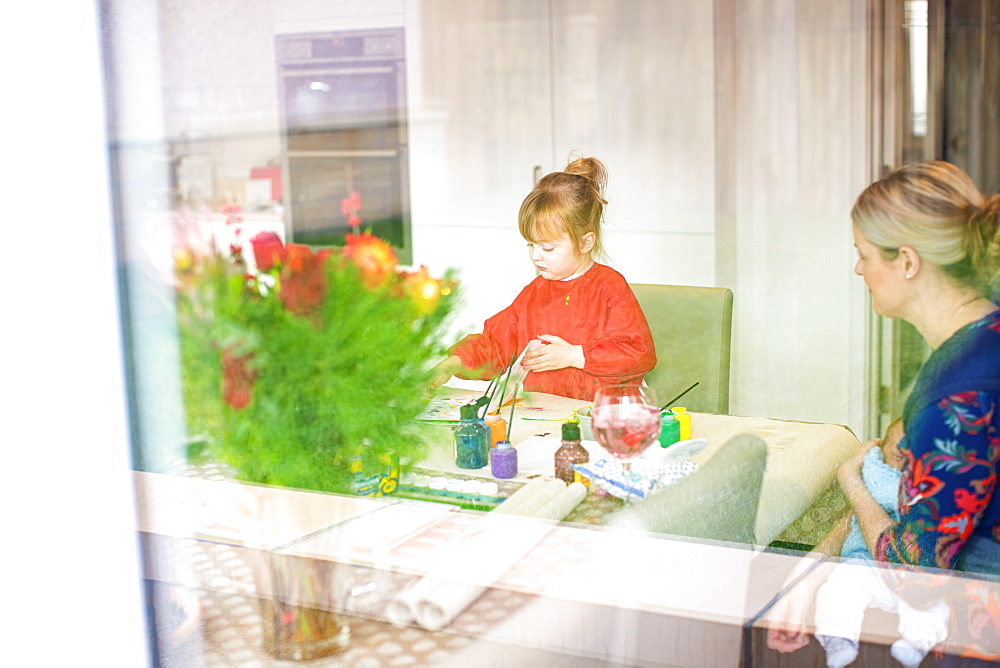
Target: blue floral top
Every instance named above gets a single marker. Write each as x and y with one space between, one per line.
951 451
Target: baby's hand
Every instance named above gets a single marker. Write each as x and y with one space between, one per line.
556 354
850 471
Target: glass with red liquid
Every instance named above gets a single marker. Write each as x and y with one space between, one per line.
625 420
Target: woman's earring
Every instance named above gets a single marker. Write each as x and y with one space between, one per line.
909 275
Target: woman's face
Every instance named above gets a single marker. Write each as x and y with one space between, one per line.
883 277
557 259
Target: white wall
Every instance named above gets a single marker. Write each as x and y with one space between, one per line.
798 160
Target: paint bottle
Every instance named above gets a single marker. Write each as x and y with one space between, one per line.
503 460
670 431
684 418
472 440
498 428
570 453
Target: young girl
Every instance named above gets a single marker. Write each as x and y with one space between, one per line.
585 313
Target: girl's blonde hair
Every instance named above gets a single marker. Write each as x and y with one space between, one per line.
567 202
934 207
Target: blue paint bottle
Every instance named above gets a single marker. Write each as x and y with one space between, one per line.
472 440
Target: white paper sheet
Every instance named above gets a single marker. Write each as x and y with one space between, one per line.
514 378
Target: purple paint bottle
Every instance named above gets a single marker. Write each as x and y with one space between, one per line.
503 460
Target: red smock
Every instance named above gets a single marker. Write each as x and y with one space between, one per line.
596 310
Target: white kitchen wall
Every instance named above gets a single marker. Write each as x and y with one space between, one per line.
635 88
734 134
798 160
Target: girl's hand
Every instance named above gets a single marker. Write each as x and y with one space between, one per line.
556 354
444 370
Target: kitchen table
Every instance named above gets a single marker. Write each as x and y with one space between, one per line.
802 457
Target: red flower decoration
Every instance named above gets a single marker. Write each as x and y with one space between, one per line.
351 203
268 250
303 279
373 256
350 206
232 212
237 379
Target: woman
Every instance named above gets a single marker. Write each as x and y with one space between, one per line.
929 251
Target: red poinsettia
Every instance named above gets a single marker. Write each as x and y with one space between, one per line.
303 279
282 340
237 379
373 256
268 250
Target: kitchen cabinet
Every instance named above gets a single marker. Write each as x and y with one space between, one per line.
506 91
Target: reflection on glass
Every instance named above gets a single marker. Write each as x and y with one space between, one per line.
916 33
343 106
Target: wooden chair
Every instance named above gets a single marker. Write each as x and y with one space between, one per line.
692 331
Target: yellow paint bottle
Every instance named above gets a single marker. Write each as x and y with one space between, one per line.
684 418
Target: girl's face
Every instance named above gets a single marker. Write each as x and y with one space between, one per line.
559 259
884 277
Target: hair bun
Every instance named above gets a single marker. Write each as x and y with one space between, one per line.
591 169
991 209
983 242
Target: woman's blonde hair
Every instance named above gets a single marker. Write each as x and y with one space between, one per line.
934 208
567 202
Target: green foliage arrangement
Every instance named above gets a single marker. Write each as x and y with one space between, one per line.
320 360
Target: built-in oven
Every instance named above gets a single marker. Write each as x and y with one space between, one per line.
343 110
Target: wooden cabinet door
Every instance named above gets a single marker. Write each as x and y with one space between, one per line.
485 105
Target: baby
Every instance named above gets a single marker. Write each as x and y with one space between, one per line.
843 598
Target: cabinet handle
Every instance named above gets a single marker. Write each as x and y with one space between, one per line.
536 174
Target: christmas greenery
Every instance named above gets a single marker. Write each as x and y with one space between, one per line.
316 362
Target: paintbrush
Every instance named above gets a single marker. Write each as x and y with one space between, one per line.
503 392
513 402
484 400
667 405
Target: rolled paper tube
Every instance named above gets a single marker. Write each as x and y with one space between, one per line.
518 498
402 609
492 547
531 505
564 503
462 575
